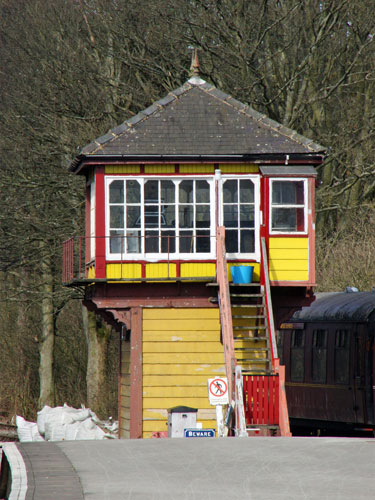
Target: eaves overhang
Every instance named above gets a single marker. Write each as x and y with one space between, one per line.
82 162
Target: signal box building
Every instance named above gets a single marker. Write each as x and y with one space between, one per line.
194 185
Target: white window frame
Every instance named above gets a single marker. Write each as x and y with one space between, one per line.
256 181
304 206
154 257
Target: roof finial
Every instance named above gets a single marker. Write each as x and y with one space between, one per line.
194 68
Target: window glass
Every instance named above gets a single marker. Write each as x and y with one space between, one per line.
238 215
280 345
319 356
116 192
342 357
297 356
160 216
288 206
186 192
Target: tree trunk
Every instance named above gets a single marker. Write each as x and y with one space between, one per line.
47 342
97 336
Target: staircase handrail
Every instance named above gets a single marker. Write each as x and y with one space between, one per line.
225 308
266 279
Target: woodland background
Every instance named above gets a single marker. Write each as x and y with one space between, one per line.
72 69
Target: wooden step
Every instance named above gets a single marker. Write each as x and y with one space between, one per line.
253 284
256 372
257 339
259 306
246 295
246 316
252 349
250 361
260 327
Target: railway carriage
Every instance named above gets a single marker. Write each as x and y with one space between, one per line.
329 353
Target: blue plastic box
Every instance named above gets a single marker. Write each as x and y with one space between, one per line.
242 274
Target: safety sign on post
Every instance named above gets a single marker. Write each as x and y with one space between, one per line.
218 391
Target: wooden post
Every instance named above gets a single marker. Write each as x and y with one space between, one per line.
136 403
225 309
283 406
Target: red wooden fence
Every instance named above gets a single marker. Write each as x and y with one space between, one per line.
261 399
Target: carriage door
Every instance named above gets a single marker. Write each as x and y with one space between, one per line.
359 378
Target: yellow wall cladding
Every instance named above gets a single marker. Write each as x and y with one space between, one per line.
159 169
162 270
289 259
239 168
197 169
122 169
123 271
181 351
255 265
125 390
91 272
197 269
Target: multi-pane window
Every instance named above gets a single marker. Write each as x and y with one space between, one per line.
239 215
297 356
319 356
288 206
160 216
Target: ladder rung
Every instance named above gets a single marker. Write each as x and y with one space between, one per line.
245 316
254 283
255 361
250 328
251 349
259 306
247 295
256 372
251 338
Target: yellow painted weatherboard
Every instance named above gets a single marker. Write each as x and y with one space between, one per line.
161 270
181 351
197 269
122 169
160 169
289 259
197 169
238 168
127 271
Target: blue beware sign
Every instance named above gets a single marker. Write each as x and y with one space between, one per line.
199 433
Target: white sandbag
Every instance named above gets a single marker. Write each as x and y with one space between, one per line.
71 431
89 430
41 419
27 431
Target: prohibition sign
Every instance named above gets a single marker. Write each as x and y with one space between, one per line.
218 387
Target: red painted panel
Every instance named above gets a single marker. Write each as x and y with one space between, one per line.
261 396
100 271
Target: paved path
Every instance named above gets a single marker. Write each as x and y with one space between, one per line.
203 469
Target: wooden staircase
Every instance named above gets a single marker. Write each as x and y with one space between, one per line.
250 329
249 344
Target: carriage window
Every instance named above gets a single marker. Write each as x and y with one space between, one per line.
297 351
342 357
280 346
288 206
319 356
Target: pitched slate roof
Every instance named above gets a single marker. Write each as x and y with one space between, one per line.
197 119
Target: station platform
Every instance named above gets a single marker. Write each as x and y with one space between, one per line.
193 469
